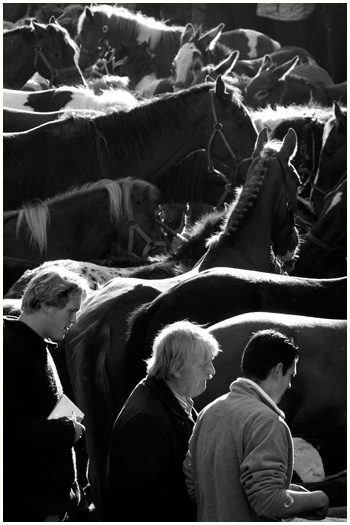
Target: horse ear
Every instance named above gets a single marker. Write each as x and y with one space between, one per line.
226 65
290 144
39 30
220 86
52 20
208 78
209 39
286 68
142 194
187 34
89 14
266 64
260 142
339 115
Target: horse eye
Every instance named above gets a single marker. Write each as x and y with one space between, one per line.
261 93
240 123
57 54
329 151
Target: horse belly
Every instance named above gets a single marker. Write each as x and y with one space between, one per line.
249 43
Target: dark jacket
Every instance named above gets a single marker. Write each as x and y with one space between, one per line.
145 480
39 461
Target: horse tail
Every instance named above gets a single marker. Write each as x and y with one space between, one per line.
88 352
139 345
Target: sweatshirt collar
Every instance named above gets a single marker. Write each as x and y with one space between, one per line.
261 392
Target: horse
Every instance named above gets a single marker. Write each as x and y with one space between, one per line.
200 55
47 49
198 50
137 65
292 84
315 406
146 141
104 216
102 370
322 251
15 120
333 158
79 98
104 26
264 213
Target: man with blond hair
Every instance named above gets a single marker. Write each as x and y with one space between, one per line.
40 478
145 481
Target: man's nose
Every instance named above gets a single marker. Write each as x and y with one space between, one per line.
211 370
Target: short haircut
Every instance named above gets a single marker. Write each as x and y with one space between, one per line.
177 346
53 286
265 349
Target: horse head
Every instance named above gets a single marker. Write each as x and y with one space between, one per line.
268 85
92 34
284 236
140 231
332 161
56 54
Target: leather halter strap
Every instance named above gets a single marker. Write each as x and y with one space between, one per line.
133 225
323 245
218 130
54 71
325 192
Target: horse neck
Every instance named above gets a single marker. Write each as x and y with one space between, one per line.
174 137
18 59
93 229
246 241
297 91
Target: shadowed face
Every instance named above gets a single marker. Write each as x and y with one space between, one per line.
57 321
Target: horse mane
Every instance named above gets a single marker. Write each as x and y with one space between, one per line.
240 208
271 117
127 131
36 214
128 25
108 101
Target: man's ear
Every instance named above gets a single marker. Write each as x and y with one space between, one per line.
276 370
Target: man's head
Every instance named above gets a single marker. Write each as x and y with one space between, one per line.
269 359
182 356
51 300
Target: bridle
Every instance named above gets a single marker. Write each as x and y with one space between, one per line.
238 161
289 204
323 245
134 225
325 192
55 73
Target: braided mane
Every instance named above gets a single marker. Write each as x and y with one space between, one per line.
240 208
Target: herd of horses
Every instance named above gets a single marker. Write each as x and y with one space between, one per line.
137 127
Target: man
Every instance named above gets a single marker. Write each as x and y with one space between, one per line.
40 479
240 458
149 441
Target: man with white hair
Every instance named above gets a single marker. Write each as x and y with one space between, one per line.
145 481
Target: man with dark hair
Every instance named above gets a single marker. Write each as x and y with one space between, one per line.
40 478
240 460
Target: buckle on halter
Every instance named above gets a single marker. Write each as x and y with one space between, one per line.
132 222
38 48
54 72
218 126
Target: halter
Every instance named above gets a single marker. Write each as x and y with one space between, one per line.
133 225
323 245
303 171
289 204
218 129
55 73
325 192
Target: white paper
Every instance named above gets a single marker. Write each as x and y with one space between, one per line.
64 408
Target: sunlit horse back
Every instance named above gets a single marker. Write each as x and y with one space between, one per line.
47 49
